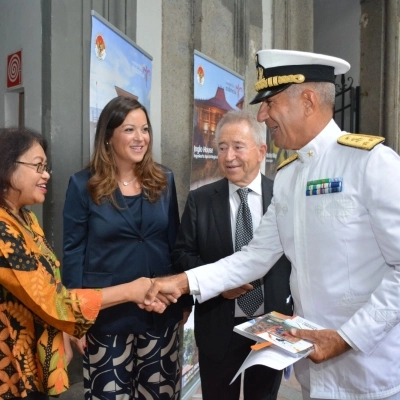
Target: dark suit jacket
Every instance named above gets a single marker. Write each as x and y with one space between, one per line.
205 237
104 246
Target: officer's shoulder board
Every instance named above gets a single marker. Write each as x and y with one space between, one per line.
360 141
287 161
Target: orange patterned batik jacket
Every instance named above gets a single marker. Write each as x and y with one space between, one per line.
34 310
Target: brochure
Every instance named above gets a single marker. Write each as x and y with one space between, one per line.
275 328
272 357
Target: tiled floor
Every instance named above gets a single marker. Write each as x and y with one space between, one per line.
289 390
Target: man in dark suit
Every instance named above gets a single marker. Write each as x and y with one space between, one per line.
208 233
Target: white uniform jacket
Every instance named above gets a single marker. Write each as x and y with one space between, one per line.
345 254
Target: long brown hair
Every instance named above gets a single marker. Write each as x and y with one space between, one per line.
103 181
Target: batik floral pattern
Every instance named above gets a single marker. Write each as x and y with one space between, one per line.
34 310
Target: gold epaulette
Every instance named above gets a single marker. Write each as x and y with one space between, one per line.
287 161
360 141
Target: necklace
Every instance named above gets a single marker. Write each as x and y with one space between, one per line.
125 183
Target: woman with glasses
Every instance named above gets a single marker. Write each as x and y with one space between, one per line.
34 306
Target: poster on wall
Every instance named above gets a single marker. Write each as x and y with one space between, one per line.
118 67
217 90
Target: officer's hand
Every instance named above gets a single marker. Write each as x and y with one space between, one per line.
169 288
327 343
237 292
157 306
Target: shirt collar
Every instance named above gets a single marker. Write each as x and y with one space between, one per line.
255 186
320 143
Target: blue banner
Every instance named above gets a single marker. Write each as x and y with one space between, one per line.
118 67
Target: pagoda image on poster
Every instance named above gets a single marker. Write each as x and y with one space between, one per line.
217 90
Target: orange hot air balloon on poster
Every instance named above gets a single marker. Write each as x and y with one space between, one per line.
100 47
200 75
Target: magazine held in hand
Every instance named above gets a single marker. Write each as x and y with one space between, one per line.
275 329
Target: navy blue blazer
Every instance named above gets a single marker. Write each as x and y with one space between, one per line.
104 246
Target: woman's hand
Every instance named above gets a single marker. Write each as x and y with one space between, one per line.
156 306
69 354
79 344
136 292
139 289
169 288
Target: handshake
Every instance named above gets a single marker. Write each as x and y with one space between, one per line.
162 292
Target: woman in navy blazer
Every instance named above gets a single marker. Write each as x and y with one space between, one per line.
120 223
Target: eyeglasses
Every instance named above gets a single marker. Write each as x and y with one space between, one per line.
40 168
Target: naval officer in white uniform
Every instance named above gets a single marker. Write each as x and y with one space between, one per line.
336 216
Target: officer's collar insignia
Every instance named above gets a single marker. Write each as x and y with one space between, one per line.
287 161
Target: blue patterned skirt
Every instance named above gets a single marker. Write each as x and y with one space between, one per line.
127 367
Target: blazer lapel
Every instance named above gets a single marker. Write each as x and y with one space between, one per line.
221 210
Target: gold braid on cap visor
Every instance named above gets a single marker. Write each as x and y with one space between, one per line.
278 80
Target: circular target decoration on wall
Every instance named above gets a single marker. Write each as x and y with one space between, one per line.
14 69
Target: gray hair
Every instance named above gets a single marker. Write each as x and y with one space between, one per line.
324 90
258 129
